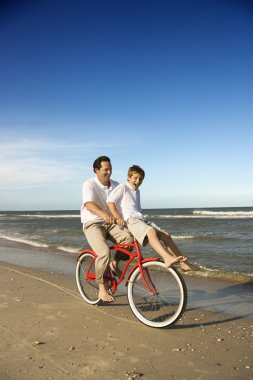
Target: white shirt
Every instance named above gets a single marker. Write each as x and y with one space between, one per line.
127 201
94 191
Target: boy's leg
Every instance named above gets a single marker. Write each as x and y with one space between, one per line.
158 248
175 251
170 244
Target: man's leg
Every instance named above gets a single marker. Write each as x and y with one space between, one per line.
119 235
96 236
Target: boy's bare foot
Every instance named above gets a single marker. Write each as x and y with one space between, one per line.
169 261
104 295
115 269
186 267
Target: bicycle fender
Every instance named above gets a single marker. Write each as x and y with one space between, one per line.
86 251
142 262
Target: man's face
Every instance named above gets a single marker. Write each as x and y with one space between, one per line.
104 173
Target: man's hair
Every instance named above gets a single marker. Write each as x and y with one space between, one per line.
97 162
135 169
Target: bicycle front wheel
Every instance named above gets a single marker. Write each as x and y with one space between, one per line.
164 302
86 279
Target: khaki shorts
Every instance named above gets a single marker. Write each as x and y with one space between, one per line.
140 227
97 235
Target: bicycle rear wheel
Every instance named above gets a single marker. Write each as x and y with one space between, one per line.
166 304
86 278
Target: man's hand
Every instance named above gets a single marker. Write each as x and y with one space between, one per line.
109 220
96 210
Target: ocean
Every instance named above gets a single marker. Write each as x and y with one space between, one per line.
219 239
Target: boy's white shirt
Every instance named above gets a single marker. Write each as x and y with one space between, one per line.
127 201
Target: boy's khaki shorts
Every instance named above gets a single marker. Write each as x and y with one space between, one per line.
140 227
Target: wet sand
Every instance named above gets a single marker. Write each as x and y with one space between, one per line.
49 332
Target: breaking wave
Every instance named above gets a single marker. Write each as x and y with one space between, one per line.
24 241
197 214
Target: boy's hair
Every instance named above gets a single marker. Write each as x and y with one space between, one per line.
97 162
135 169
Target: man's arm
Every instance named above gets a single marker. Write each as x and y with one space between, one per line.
115 213
96 210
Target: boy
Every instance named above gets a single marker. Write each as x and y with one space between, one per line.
124 204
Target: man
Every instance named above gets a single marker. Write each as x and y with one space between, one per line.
99 224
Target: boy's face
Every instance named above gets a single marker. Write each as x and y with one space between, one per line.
135 180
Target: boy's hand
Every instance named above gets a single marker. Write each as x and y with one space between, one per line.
121 222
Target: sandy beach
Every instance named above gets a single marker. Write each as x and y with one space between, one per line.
49 332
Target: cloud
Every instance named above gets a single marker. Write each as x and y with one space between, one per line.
35 146
26 173
36 163
30 163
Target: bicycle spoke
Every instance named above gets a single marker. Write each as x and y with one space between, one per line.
85 278
168 301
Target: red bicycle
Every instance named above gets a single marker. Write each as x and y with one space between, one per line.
157 295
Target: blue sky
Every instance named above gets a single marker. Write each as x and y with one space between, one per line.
167 85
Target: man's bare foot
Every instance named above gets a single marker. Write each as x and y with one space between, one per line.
169 261
186 267
115 269
104 295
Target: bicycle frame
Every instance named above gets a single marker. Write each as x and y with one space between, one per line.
122 247
157 296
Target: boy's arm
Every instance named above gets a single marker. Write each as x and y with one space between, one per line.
115 213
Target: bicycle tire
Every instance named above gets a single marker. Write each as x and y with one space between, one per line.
86 279
167 305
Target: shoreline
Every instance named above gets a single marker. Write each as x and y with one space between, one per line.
219 274
218 295
49 332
